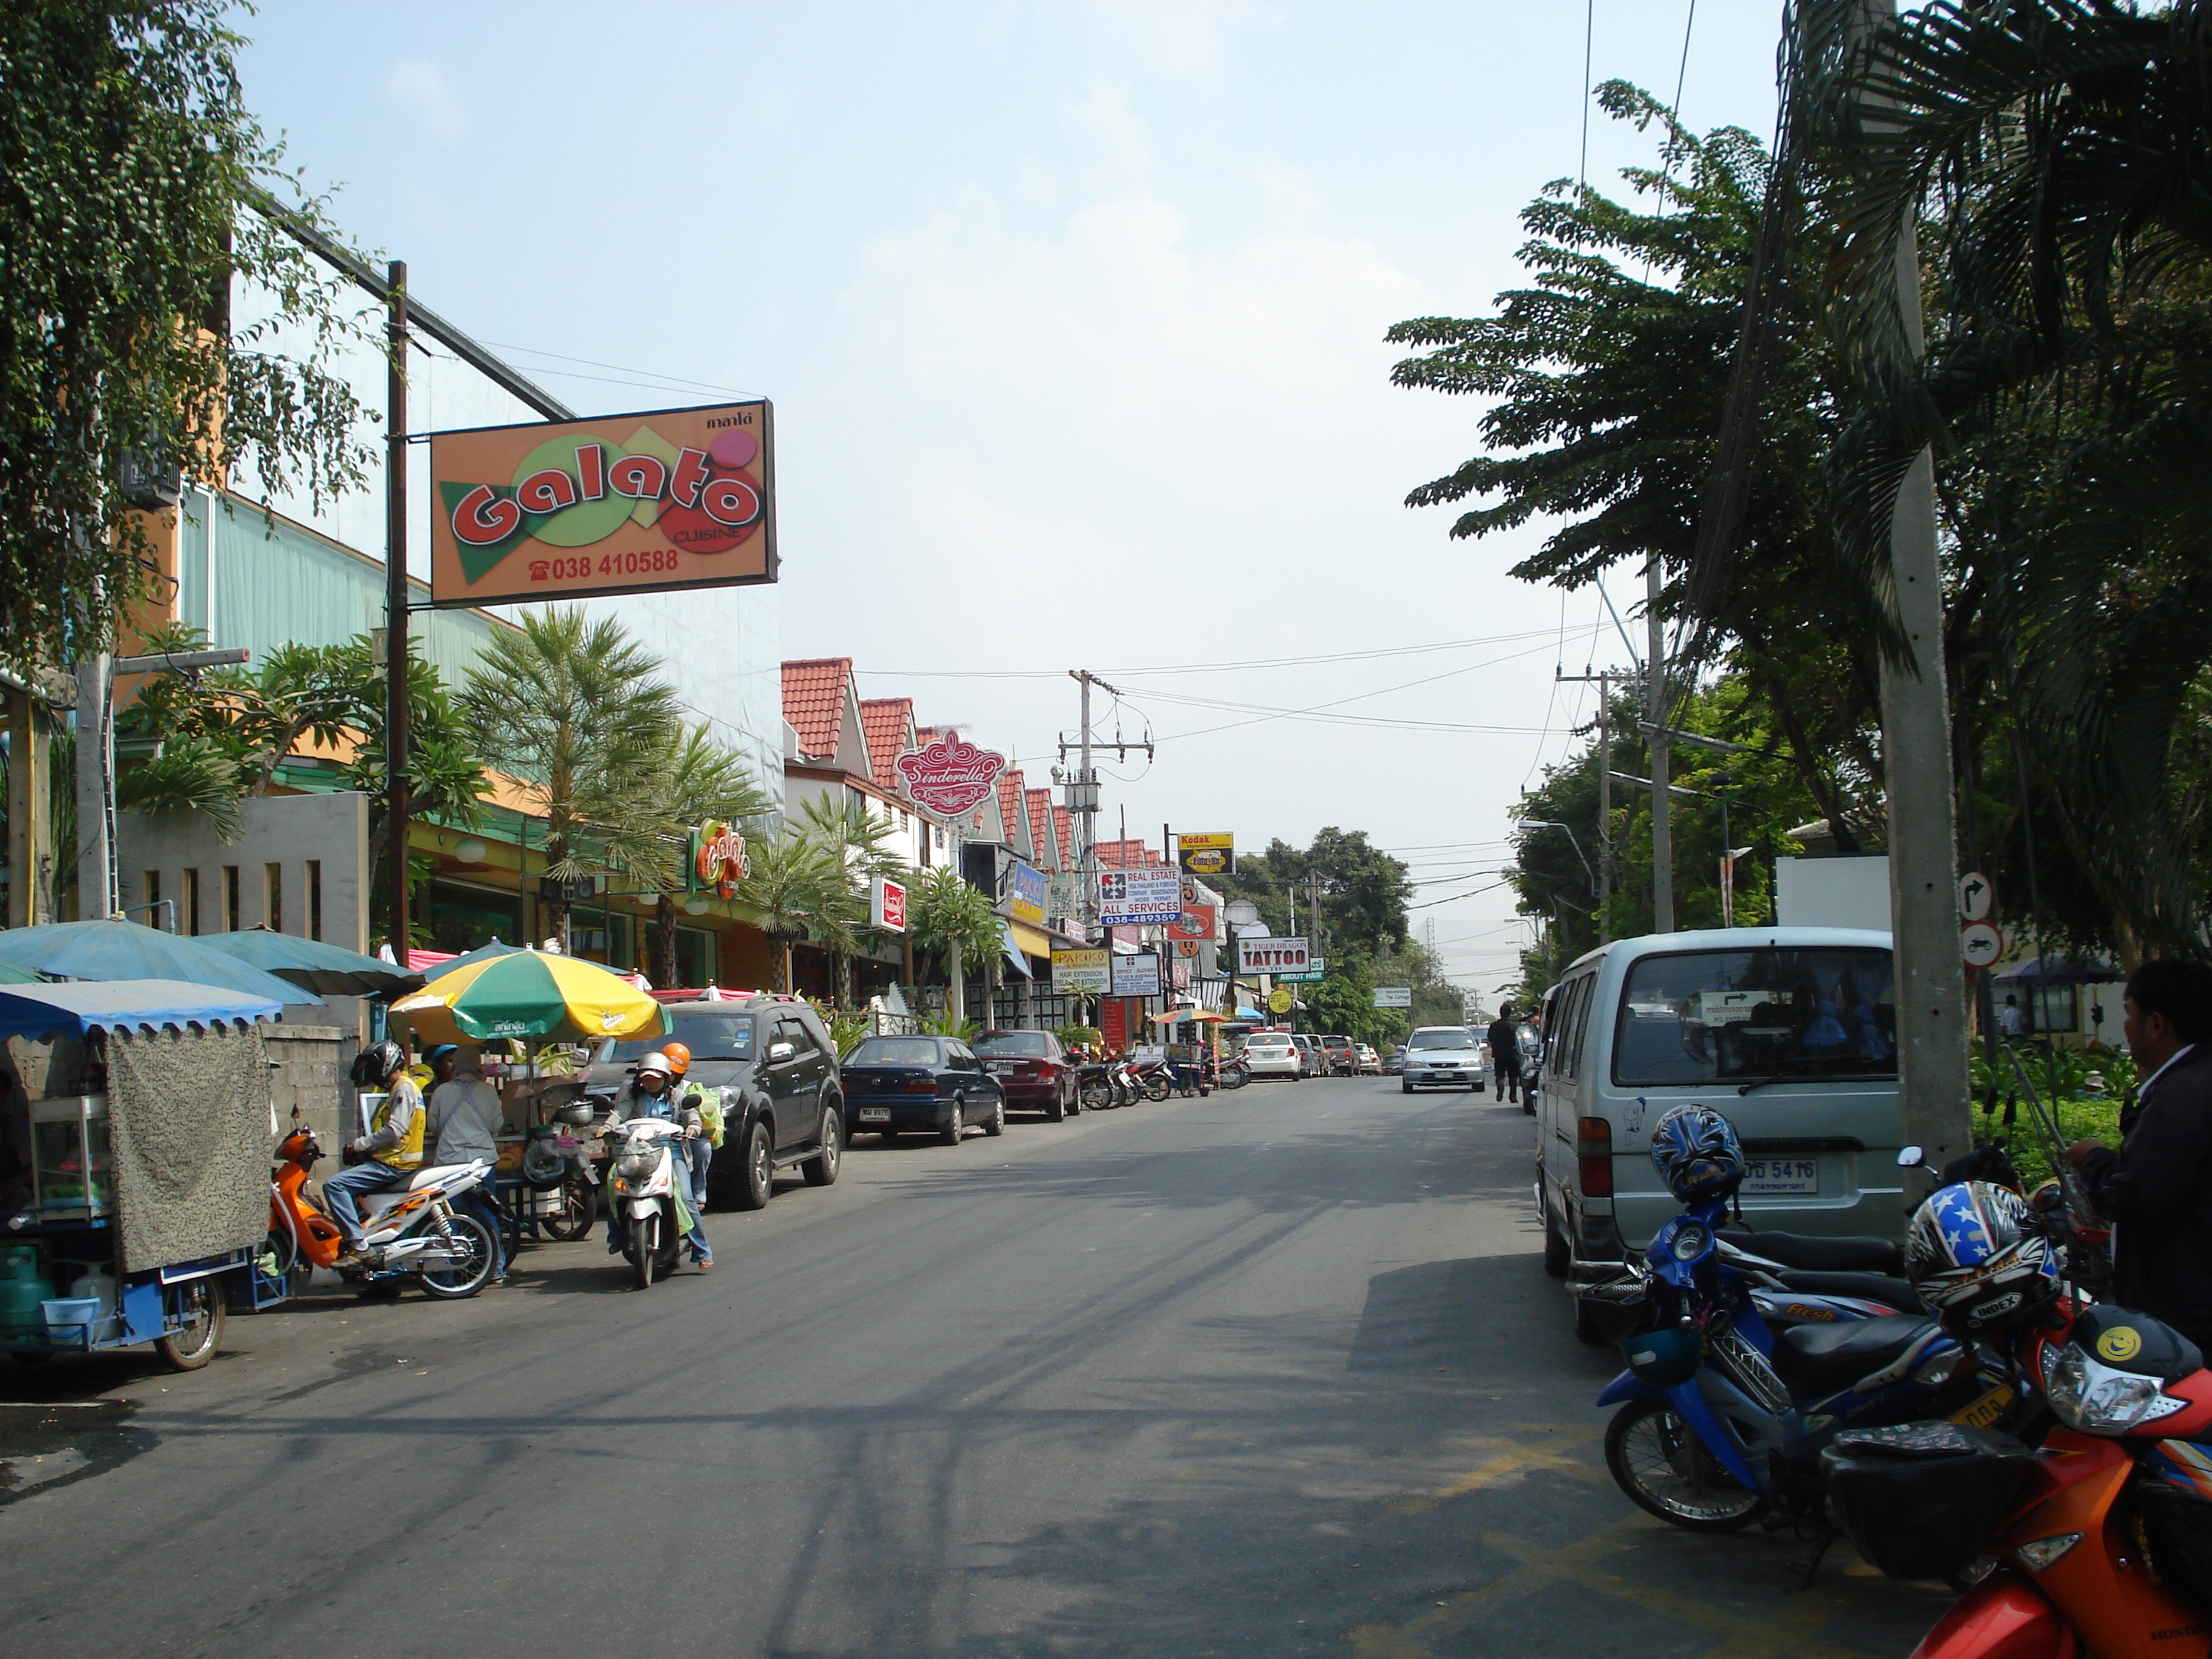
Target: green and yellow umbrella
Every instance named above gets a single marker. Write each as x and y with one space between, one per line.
531 994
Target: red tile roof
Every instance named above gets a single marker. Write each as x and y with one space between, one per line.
814 691
885 722
1009 812
1041 823
1063 831
1127 855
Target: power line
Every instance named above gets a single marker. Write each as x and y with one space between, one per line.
1209 667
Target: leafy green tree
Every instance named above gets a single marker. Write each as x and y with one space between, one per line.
1363 891
799 889
128 149
859 842
575 712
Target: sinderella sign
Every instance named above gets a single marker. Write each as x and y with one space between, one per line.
623 504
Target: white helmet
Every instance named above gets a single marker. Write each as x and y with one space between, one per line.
657 1062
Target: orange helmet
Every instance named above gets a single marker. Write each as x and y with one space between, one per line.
679 1056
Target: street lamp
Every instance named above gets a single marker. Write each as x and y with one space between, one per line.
1550 823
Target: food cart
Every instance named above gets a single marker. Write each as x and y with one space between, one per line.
140 1202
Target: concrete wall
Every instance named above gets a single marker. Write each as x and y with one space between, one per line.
307 1069
286 831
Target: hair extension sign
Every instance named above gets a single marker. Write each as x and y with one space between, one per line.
623 504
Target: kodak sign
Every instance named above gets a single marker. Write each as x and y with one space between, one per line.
623 504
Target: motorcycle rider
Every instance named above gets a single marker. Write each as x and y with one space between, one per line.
390 1152
462 1121
651 1093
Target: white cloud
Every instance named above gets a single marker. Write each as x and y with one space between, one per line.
1172 37
416 83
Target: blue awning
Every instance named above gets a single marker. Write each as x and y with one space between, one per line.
84 1005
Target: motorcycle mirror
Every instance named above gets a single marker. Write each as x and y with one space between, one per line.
2044 1199
1910 1157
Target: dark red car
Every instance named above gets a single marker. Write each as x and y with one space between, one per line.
1033 1069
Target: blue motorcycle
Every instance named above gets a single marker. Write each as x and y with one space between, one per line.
1734 1384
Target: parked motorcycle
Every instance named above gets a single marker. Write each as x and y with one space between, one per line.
1096 1090
413 1230
647 1163
1157 1078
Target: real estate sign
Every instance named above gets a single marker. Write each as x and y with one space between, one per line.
1130 898
621 504
1082 972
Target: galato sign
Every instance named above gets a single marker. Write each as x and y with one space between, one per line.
951 777
623 504
1130 898
719 860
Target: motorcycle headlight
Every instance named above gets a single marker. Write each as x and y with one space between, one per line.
1690 1240
2098 1399
636 1166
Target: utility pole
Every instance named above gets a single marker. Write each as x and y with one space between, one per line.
95 786
1655 695
395 626
1604 795
1915 731
1081 794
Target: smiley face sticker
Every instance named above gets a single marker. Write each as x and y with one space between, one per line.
2120 1344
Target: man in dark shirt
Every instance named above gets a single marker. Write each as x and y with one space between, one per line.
2157 1188
1506 1053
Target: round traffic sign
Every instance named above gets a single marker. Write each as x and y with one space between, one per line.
1980 944
1278 1001
1976 896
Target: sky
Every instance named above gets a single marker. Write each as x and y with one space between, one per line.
1073 317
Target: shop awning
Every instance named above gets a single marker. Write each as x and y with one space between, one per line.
1014 956
38 1013
1035 940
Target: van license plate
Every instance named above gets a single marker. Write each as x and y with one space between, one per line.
1778 1176
875 1114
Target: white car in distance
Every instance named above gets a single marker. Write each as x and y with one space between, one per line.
1272 1054
1442 1056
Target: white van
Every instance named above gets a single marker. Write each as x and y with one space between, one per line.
1791 1032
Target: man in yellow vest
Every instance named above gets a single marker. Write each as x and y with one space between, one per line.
390 1152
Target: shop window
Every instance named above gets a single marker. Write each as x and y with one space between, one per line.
2053 1008
191 919
464 918
230 922
272 896
695 957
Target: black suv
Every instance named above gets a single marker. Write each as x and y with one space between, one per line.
773 1060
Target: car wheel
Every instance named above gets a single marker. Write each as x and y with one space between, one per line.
821 1170
1558 1254
952 1131
1404 1087
757 1182
995 1125
1056 1110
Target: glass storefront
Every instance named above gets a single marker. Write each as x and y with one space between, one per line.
463 918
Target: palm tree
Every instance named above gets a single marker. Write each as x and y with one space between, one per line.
947 914
799 888
705 779
2056 151
859 842
574 711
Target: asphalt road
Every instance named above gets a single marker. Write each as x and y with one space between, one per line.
1273 1373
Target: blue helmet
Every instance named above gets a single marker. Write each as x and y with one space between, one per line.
1697 1154
1973 1250
1665 1358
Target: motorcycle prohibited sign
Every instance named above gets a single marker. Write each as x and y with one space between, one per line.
1980 944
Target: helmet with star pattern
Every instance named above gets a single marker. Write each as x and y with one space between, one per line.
1975 1256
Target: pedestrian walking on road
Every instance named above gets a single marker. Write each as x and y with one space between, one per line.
463 1117
1505 1055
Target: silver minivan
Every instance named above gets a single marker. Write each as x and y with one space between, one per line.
1790 1031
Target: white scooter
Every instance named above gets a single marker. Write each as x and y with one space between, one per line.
647 1163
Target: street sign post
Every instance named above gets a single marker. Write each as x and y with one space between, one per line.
1976 896
1980 944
